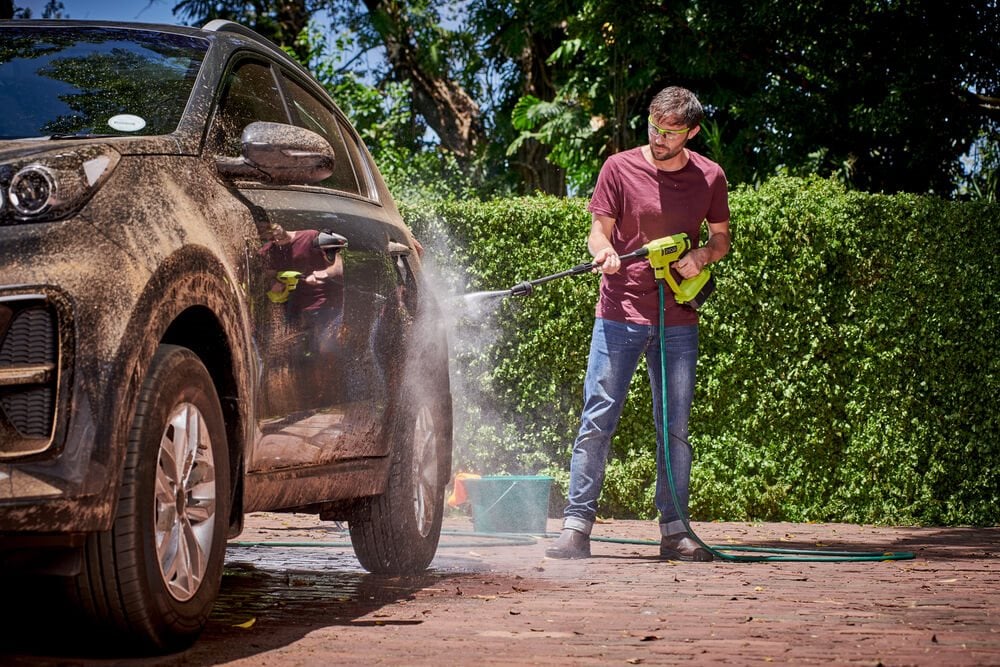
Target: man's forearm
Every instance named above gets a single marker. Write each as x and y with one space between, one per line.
716 248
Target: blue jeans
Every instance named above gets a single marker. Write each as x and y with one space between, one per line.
615 349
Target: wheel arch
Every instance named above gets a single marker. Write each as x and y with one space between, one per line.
193 302
200 330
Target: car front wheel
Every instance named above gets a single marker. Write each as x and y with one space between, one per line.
154 577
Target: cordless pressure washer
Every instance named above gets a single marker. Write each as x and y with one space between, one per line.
289 281
661 253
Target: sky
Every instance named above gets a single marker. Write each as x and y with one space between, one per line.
146 11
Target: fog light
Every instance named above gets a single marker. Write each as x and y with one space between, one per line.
32 190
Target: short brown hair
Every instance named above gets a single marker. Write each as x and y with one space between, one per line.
677 103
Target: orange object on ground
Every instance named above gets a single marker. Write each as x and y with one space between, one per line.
458 494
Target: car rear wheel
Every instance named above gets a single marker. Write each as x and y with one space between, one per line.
154 577
398 531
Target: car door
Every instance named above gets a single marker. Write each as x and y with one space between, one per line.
323 288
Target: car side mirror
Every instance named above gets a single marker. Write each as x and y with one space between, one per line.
281 154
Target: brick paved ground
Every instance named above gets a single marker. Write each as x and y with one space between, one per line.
487 602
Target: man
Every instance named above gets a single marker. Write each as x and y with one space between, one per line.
646 193
322 271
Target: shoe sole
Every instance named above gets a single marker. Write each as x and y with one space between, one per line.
676 555
566 556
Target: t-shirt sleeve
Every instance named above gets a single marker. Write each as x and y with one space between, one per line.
718 209
606 199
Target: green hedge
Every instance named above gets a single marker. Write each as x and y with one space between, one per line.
846 370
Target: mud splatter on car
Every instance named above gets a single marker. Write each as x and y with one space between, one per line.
166 364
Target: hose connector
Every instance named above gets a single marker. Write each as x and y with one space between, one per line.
522 289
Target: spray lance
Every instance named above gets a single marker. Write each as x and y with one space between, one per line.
661 253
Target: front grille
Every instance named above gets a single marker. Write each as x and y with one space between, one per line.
6 216
29 358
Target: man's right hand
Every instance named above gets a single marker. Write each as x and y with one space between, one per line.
607 261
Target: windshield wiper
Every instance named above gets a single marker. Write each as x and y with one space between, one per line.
81 135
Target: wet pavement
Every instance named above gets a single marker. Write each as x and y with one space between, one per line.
293 594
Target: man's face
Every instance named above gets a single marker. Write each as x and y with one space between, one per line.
279 235
667 137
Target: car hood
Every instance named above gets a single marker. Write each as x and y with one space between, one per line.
20 148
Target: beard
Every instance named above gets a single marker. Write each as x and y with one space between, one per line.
662 153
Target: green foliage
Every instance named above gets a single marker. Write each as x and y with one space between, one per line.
789 87
884 96
846 369
413 166
855 381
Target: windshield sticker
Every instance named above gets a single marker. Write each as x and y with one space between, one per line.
126 122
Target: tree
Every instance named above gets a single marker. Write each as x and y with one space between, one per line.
519 38
281 21
437 95
886 95
881 92
53 9
437 65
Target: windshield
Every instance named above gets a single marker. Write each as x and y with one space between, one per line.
83 81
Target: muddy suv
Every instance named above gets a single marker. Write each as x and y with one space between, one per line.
209 306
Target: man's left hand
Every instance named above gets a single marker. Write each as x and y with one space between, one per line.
691 264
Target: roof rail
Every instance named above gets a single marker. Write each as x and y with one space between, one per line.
223 25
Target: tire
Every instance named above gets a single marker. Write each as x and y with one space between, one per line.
398 531
153 578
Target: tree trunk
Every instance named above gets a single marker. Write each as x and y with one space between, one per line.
532 164
446 106
293 17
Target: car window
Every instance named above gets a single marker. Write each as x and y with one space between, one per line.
80 81
250 94
362 165
310 113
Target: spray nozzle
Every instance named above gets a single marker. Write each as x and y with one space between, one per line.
522 289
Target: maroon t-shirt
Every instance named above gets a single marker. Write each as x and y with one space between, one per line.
300 255
648 204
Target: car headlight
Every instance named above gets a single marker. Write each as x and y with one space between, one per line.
53 185
33 190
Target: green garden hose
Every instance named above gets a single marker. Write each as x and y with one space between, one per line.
493 540
776 555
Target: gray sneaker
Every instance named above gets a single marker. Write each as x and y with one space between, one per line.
570 544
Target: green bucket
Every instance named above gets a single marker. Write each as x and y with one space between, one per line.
509 503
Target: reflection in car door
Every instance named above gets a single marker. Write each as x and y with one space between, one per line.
327 360
326 315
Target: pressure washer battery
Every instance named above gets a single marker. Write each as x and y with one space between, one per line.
289 281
